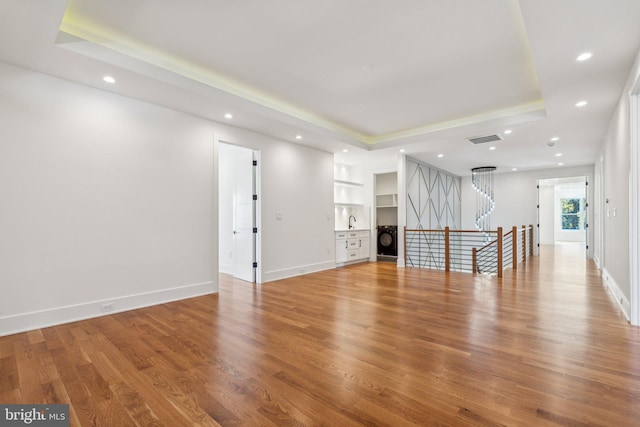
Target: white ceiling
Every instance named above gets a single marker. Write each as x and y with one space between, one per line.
372 76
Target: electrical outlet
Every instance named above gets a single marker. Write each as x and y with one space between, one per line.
106 307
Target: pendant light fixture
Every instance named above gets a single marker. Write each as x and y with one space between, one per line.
482 182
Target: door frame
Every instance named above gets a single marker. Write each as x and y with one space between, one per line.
587 218
634 204
256 208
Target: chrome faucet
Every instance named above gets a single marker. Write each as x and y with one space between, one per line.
354 220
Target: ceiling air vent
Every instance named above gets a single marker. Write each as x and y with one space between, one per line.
484 139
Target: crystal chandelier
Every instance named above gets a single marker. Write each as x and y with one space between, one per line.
482 182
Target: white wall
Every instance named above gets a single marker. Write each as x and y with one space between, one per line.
615 215
516 197
108 200
105 201
547 208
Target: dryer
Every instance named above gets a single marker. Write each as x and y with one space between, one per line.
387 240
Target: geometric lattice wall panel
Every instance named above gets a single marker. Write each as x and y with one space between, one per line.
433 198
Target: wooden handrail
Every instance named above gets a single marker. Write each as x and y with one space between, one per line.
500 265
405 245
447 250
475 252
524 243
453 231
487 245
531 239
474 260
514 248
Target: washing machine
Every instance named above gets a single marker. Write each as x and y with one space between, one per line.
387 240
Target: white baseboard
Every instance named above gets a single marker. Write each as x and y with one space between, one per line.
401 263
596 260
225 268
56 316
270 276
622 301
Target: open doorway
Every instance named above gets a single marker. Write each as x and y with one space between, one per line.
238 218
562 211
386 215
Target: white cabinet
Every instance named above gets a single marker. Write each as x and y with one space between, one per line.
352 245
364 247
341 246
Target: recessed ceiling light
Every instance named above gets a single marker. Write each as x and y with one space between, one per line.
558 154
555 138
345 151
581 104
440 156
560 164
298 136
402 150
508 131
492 148
584 56
228 116
514 169
109 79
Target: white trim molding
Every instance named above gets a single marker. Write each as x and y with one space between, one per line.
56 316
285 273
613 287
634 207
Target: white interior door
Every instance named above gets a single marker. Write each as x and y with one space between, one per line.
244 216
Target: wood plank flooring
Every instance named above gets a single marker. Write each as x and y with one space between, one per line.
367 344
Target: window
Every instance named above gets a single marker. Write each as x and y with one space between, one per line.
572 214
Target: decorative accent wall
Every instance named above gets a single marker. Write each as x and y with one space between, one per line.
433 203
433 198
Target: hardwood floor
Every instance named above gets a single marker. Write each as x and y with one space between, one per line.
368 344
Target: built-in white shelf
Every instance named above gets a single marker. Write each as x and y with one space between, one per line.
349 197
389 200
350 183
348 193
339 204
